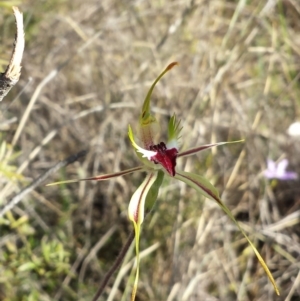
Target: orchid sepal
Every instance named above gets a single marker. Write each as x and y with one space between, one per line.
101 177
147 122
199 183
206 146
203 186
146 116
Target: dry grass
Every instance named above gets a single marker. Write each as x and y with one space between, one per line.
238 78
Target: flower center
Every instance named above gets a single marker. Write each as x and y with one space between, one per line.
165 157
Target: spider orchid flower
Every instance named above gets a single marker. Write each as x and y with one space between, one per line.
159 160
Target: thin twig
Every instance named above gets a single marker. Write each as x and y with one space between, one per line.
32 101
114 267
36 182
93 252
44 82
51 135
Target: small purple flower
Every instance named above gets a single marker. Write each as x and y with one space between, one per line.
278 171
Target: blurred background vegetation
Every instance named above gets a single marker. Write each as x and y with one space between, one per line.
238 78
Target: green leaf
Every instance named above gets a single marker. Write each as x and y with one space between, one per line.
203 186
28 266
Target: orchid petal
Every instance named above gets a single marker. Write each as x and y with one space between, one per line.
203 147
101 177
136 212
203 186
146 153
174 130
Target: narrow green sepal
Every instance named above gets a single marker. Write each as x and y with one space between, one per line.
204 187
146 118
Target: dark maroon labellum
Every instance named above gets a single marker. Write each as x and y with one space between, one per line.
165 157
